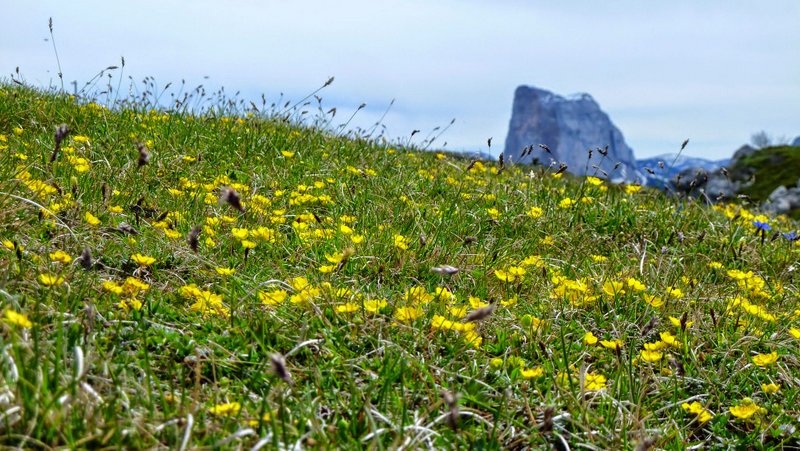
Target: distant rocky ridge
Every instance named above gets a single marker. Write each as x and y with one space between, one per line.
661 169
569 128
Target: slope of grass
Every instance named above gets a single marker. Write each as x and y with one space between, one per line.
770 168
321 312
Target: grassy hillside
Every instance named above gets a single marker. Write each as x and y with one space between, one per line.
770 168
169 280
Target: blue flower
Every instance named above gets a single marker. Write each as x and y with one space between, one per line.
762 226
791 236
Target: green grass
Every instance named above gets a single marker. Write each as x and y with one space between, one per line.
769 168
129 353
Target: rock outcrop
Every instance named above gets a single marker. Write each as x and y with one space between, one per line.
568 127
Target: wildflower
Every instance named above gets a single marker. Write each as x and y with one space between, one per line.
91 219
715 265
130 304
599 258
613 288
50 280
406 314
61 257
374 305
594 181
172 234
400 242
142 260
247 244
791 236
669 339
636 285
765 359
632 189
225 410
650 356
590 339
348 307
674 293
702 414
612 344
762 226
326 269
795 332
534 212
677 322
17 319
746 409
112 287
493 213
273 297
225 271
770 388
287 153
566 202
530 373
594 382
496 363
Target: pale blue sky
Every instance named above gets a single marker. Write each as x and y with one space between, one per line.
713 71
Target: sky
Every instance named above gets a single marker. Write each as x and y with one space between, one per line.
715 71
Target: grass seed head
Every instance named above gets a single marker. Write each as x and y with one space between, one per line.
231 197
279 367
61 132
452 403
86 259
480 314
193 238
144 154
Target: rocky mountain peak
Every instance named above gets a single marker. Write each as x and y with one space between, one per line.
569 127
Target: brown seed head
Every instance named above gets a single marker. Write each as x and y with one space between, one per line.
279 367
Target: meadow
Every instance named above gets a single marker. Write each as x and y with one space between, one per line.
234 276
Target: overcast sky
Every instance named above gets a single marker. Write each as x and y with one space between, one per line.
713 71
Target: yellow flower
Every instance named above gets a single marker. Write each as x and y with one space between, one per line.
594 382
599 258
703 415
594 181
612 288
357 239
247 244
407 313
534 212
61 257
142 260
496 362
677 322
674 293
715 265
612 344
795 332
374 305
745 410
172 234
636 285
650 356
400 242
50 280
532 372
770 388
287 154
348 307
325 269
273 297
225 271
225 410
91 219
17 319
765 359
112 287
655 301
505 276
590 339
632 189
566 202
